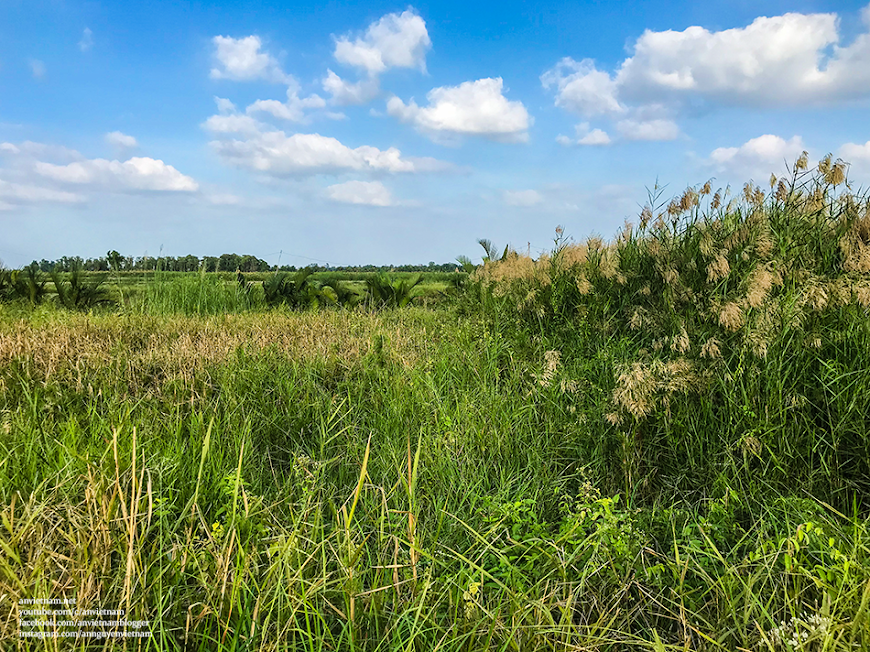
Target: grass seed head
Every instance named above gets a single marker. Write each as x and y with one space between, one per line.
802 162
719 268
711 350
731 316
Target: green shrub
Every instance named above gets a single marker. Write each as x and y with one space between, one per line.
384 292
76 291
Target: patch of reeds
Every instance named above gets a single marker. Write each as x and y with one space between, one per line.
730 336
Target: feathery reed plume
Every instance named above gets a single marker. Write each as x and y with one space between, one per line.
711 350
731 316
816 296
719 268
802 162
680 341
761 280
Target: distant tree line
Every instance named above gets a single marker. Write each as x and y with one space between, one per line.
114 261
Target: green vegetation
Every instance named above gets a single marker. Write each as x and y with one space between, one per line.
658 443
385 292
77 292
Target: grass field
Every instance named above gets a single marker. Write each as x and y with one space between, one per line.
658 443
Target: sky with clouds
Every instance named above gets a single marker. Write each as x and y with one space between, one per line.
353 133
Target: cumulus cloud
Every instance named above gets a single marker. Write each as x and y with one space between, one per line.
474 108
585 136
120 140
87 41
293 109
781 61
758 157
137 173
394 41
276 153
648 129
522 197
369 193
37 68
582 89
855 153
345 93
233 124
858 157
594 137
240 59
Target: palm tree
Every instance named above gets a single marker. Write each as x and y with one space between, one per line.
492 252
29 283
339 294
76 292
7 287
383 292
298 290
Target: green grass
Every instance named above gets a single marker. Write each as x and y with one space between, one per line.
534 465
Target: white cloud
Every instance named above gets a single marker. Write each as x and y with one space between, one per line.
758 157
18 193
370 193
522 197
472 108
224 105
241 60
595 137
855 153
31 150
87 41
585 136
583 89
120 141
276 153
293 109
233 124
394 41
345 93
780 60
37 68
858 158
138 173
791 60
648 129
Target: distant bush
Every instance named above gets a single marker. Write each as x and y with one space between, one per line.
76 291
299 291
386 292
27 284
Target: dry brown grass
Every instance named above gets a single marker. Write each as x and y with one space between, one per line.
71 344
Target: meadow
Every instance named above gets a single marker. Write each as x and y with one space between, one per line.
657 442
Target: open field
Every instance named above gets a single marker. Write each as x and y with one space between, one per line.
658 443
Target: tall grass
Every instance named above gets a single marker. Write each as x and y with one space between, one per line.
196 294
728 341
538 468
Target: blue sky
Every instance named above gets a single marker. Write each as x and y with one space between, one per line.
385 133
